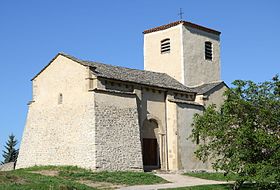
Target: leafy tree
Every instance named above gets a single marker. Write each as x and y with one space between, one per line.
10 153
243 136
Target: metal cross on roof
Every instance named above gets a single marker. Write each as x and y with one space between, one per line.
181 14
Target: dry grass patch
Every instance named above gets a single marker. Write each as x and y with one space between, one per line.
47 172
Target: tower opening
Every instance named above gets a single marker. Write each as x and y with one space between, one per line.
208 51
165 46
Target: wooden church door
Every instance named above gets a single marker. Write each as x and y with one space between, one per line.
150 152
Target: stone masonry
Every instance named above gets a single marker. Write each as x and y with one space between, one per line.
118 145
7 167
59 134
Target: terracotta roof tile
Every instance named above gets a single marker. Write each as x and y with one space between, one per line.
163 27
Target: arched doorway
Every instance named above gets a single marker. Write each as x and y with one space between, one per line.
150 145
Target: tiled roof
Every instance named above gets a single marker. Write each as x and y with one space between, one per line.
163 27
202 89
149 78
143 77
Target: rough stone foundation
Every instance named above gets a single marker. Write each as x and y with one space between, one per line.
118 145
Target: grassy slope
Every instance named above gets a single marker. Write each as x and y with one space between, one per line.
21 180
68 178
127 178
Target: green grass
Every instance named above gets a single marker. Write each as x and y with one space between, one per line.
215 187
212 176
127 178
22 180
68 178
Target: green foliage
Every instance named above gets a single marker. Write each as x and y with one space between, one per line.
243 136
217 176
10 153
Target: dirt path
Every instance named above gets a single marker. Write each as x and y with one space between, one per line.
176 180
51 173
100 185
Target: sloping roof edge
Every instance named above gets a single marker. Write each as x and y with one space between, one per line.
204 88
45 67
185 102
186 23
62 54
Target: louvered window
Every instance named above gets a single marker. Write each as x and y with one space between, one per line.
165 46
208 51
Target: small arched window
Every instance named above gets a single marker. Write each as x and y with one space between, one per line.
165 45
208 51
60 98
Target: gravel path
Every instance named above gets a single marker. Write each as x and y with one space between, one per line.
176 180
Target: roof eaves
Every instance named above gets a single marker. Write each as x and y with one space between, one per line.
155 86
215 84
186 23
185 102
206 29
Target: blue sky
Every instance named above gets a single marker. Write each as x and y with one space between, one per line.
33 32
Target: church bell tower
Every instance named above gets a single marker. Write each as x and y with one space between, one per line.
188 52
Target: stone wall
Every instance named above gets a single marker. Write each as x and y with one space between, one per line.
7 167
187 160
216 96
197 70
154 60
118 145
60 133
172 140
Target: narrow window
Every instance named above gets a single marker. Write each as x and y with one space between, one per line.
197 139
165 46
60 98
208 51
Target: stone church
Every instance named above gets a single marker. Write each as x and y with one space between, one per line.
106 117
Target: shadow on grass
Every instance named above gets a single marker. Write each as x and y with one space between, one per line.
212 176
216 187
